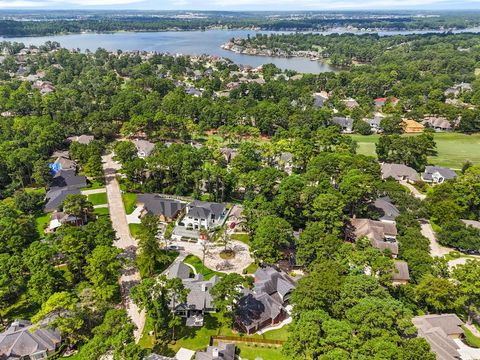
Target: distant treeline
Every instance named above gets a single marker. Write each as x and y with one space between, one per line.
148 23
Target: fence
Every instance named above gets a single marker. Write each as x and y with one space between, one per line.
246 339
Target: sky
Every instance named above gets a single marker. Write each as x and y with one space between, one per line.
225 5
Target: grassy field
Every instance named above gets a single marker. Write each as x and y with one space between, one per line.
41 222
453 148
129 201
101 211
98 199
201 269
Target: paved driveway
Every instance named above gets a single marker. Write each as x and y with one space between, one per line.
130 276
435 248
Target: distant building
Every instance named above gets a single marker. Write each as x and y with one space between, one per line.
380 102
82 139
345 123
144 148
400 274
412 127
22 340
59 218
457 89
375 122
441 331
382 235
399 172
438 123
438 174
389 212
229 153
319 99
351 103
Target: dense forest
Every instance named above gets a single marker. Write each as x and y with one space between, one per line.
143 22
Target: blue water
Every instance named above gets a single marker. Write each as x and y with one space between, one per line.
187 42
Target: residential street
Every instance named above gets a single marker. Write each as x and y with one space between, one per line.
130 275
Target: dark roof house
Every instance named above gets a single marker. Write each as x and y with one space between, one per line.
22 340
389 211
166 209
82 139
438 174
63 184
144 147
345 123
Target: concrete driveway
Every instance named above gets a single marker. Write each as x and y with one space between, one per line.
435 248
130 276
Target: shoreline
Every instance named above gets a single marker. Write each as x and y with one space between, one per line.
324 31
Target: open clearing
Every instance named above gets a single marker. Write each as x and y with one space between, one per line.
453 148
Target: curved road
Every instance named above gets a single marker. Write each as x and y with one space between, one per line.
130 275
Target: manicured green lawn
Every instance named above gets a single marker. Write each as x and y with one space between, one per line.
22 309
129 201
101 211
42 221
98 199
243 237
250 269
134 229
453 148
94 185
201 269
471 339
260 351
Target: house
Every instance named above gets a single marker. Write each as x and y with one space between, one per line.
382 235
319 99
441 331
222 351
229 154
59 218
166 210
437 123
45 87
375 122
266 304
64 183
412 127
201 214
62 162
345 123
144 148
399 172
457 89
389 212
22 340
473 223
82 139
284 162
350 103
400 273
437 174
199 301
380 102
190 90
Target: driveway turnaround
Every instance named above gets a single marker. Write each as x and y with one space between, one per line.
130 275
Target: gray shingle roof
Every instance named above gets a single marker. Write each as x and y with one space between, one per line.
180 270
343 122
156 205
400 271
399 172
436 329
376 232
390 211
144 147
220 352
63 184
202 210
446 173
21 339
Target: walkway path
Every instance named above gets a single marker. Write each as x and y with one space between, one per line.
93 191
413 190
130 276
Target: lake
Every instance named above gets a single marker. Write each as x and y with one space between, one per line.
189 42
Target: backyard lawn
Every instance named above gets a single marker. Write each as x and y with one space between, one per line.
134 229
98 199
94 185
41 222
129 201
453 148
243 237
101 211
201 269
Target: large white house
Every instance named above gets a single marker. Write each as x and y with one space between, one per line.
204 215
